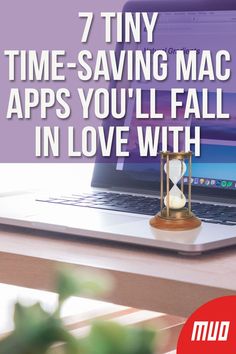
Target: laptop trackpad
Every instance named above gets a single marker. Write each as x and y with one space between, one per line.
80 218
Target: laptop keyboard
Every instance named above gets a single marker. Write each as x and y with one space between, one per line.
128 203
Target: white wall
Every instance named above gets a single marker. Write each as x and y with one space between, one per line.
55 176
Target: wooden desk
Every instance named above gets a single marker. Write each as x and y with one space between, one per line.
152 280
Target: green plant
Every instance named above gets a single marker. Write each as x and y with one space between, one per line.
37 331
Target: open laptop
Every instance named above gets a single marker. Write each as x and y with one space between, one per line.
124 195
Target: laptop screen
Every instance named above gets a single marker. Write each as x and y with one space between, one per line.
190 30
185 25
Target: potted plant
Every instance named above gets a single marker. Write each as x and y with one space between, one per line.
39 332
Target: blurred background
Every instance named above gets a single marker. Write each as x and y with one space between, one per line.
56 176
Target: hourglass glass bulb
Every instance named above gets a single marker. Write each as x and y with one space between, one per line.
177 199
177 169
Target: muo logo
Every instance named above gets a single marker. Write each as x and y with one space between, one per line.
210 331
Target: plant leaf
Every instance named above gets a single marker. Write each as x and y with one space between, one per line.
70 283
112 338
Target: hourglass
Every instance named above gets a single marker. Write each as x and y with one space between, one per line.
174 214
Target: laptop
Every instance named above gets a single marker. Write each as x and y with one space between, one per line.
124 196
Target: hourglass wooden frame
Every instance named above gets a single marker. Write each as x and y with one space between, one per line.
178 219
